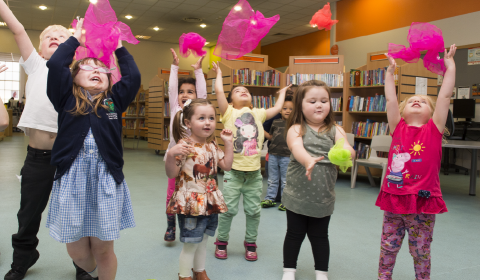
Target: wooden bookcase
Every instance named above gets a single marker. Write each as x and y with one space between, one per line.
407 74
321 64
256 62
133 119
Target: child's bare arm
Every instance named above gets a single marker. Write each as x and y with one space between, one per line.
295 144
171 168
221 98
393 113
443 101
272 112
21 37
227 161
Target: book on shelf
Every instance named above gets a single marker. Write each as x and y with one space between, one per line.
332 80
166 111
375 77
166 132
264 102
363 151
130 124
376 103
141 97
370 128
340 123
336 104
248 77
165 88
131 111
141 112
141 123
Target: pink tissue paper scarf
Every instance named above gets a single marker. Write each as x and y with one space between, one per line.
192 43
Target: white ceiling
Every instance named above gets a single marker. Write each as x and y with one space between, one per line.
169 14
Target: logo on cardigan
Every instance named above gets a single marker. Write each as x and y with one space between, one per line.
109 103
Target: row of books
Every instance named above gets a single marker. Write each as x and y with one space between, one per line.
363 151
166 109
130 124
263 101
131 111
376 103
370 128
336 104
166 132
141 123
332 80
376 77
165 88
141 97
141 112
245 76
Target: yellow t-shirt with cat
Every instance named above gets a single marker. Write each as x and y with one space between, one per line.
247 127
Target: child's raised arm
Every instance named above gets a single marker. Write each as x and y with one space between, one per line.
23 41
295 144
173 84
443 101
200 83
272 112
227 161
221 98
393 113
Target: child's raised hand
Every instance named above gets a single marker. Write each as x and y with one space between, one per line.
448 57
216 67
198 64
285 88
226 135
309 166
3 68
392 65
176 61
79 32
119 44
181 149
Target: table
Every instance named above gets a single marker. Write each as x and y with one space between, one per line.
474 146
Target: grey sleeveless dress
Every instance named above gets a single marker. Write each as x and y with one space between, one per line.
315 198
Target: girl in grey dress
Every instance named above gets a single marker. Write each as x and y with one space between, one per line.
309 194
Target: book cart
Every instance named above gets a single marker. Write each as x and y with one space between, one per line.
235 74
159 110
135 115
372 89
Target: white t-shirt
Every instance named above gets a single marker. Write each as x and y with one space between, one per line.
39 112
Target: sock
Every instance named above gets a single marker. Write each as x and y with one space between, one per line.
321 275
200 255
94 273
186 259
289 274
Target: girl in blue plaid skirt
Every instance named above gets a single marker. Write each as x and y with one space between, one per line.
90 201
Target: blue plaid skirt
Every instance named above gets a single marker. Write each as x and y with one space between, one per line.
86 200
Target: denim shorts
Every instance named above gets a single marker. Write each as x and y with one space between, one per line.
192 228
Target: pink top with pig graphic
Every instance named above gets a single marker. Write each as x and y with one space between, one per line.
412 183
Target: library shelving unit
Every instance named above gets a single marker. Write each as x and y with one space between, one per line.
406 82
319 65
135 115
159 111
254 62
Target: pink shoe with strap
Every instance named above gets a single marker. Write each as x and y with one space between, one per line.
220 254
250 256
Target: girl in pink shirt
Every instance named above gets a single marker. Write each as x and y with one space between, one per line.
410 193
180 90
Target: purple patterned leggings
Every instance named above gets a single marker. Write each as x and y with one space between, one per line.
420 231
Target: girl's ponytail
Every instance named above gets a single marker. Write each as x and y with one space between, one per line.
178 130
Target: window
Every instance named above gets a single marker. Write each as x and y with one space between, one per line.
10 81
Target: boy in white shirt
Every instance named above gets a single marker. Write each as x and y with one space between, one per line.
39 122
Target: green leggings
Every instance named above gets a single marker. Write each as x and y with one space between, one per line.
250 184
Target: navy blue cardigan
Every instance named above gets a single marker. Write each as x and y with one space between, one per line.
107 129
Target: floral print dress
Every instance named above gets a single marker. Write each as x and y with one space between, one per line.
196 189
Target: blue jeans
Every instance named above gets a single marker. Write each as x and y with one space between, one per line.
277 170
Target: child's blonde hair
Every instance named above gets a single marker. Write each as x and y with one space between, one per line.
53 28
430 101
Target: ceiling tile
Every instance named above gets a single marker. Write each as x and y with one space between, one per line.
220 5
167 5
144 2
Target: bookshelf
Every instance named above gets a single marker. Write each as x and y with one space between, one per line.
406 81
254 62
328 68
135 115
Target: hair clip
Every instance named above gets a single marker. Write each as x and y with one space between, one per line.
187 103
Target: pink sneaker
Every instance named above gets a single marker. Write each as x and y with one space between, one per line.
220 254
250 256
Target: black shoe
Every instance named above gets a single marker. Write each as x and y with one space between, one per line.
82 274
18 272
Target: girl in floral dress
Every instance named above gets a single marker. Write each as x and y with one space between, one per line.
197 200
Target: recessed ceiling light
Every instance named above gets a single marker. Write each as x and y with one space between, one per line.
71 30
128 16
237 8
3 23
93 1
42 7
203 25
206 43
143 37
156 28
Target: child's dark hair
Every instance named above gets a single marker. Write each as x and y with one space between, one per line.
246 119
229 97
178 130
297 116
186 80
289 98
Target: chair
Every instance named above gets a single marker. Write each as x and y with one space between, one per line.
380 143
351 141
450 125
